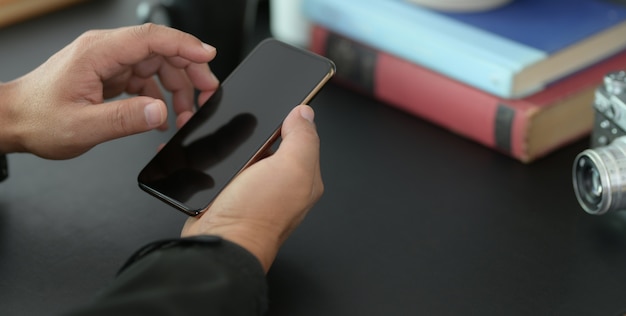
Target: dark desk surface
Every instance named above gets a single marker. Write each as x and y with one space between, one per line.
415 220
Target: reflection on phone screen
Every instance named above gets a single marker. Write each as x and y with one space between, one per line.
234 126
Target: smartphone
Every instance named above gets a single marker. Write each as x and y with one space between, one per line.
236 126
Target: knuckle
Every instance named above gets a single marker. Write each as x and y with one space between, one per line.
88 37
144 30
119 121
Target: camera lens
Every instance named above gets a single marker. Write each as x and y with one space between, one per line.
589 185
599 178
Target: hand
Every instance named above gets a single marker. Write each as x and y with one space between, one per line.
269 199
57 110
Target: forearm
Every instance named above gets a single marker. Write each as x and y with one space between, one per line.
209 277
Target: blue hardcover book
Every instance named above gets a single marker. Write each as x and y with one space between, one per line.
511 52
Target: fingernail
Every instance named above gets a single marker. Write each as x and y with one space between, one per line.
153 114
208 48
307 113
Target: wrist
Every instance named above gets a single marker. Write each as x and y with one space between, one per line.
9 120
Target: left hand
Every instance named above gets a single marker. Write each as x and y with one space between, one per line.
57 111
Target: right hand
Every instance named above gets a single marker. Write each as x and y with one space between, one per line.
269 199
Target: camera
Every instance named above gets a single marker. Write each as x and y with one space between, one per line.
599 173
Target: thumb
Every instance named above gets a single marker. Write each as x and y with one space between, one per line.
300 140
125 117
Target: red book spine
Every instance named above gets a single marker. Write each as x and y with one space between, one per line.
501 124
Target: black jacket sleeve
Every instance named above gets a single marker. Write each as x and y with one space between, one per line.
195 276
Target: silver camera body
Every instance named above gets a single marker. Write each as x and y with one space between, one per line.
599 173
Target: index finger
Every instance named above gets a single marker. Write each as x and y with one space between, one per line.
142 41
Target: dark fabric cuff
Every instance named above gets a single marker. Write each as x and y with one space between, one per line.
204 275
206 241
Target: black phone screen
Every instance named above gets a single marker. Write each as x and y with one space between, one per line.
234 126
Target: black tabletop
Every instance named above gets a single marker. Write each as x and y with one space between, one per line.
415 220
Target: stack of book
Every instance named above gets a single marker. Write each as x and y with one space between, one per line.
14 11
519 79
